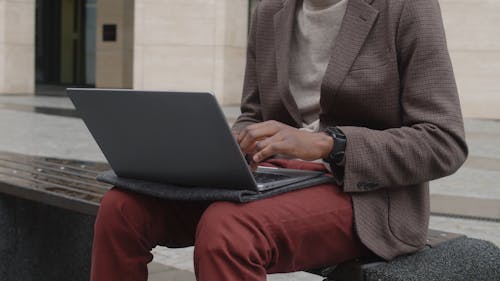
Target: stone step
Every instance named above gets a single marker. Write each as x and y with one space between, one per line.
488 208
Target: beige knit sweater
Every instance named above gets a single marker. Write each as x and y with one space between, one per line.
316 27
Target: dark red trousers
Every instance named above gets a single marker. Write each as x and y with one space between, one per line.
299 230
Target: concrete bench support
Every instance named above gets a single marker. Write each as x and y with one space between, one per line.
41 242
460 259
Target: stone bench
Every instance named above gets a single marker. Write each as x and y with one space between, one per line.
47 213
447 257
48 207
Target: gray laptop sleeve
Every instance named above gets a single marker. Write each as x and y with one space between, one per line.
173 192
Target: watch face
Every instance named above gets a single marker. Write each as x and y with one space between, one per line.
336 133
338 157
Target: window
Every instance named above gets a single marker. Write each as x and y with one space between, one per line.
251 7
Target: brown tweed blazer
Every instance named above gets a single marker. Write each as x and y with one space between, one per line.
390 88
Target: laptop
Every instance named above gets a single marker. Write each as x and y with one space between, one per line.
179 138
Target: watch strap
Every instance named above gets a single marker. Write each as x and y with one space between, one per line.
337 154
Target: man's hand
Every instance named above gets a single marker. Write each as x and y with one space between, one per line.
252 164
266 139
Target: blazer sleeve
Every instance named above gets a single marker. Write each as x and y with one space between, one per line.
250 101
431 143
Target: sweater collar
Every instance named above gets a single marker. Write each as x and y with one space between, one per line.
319 4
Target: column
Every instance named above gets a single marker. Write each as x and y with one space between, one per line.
191 45
472 28
17 46
114 56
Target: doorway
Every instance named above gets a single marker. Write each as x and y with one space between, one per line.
65 43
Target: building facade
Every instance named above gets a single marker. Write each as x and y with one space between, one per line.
195 45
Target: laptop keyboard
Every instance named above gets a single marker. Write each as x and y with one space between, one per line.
262 178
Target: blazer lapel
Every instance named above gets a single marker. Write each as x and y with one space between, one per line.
356 25
283 28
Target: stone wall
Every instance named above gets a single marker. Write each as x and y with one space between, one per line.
114 66
196 45
199 45
473 31
17 46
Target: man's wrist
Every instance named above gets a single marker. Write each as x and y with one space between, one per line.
336 155
327 144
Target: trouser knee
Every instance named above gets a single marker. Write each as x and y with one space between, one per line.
118 208
227 233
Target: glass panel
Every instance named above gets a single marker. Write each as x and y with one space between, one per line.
251 7
90 41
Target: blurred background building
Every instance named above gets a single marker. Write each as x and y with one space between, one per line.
194 45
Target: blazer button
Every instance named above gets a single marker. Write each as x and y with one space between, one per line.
371 185
367 185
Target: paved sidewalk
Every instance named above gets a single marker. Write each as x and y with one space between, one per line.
46 126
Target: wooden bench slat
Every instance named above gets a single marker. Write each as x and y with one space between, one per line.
31 191
78 165
68 184
436 237
53 167
42 184
52 176
75 169
96 167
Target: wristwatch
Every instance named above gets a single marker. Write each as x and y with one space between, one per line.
336 156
